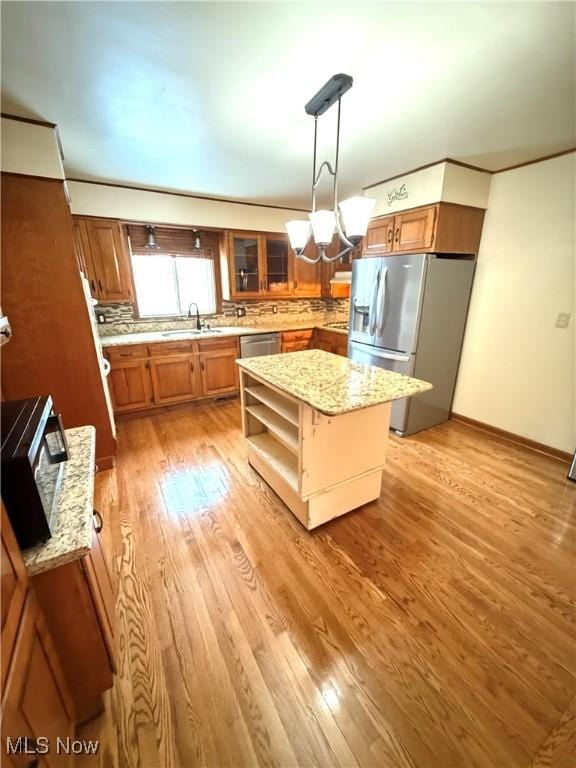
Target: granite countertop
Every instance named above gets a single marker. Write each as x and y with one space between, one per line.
332 384
73 535
155 337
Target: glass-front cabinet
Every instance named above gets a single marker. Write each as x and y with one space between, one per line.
260 265
245 264
277 260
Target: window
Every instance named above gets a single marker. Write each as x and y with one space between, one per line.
167 284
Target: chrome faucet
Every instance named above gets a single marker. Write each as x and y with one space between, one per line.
198 324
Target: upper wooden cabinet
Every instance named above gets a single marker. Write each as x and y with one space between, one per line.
263 266
380 236
103 257
277 262
307 277
414 230
245 264
440 228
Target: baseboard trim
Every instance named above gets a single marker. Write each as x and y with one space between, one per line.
155 410
555 453
105 462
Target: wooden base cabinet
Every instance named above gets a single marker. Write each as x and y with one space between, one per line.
296 341
77 601
174 379
36 701
219 373
148 376
130 385
330 341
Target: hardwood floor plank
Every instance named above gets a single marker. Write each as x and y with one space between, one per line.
559 748
434 628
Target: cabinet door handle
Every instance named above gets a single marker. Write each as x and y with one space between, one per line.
202 365
390 235
397 235
93 286
192 367
99 283
295 284
99 523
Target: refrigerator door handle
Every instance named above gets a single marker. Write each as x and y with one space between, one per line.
379 352
373 307
382 304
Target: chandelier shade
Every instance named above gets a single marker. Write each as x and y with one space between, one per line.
323 226
356 213
298 233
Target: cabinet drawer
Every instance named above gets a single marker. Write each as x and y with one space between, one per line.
290 336
131 352
167 348
296 346
217 345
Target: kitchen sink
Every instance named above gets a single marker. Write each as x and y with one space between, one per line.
191 332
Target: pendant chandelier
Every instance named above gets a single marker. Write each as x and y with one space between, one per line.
349 219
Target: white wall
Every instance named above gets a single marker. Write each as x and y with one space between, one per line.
443 181
517 370
30 149
162 208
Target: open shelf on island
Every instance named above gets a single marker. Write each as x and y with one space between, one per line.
277 456
285 432
320 466
286 408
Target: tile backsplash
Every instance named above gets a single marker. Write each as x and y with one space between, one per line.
120 317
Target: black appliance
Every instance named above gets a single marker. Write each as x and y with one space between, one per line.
33 453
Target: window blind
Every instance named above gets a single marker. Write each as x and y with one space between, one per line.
173 241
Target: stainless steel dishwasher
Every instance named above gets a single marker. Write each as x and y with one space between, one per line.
260 344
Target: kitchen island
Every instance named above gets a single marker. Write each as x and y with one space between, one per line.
317 428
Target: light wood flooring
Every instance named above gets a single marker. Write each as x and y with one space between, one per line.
432 629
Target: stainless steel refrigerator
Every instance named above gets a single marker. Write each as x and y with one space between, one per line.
407 314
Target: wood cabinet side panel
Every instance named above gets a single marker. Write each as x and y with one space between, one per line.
100 585
40 280
459 229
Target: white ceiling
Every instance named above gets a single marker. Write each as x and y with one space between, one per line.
209 97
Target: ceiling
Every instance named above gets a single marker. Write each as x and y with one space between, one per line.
208 97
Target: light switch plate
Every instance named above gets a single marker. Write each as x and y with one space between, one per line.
274 309
240 311
563 320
